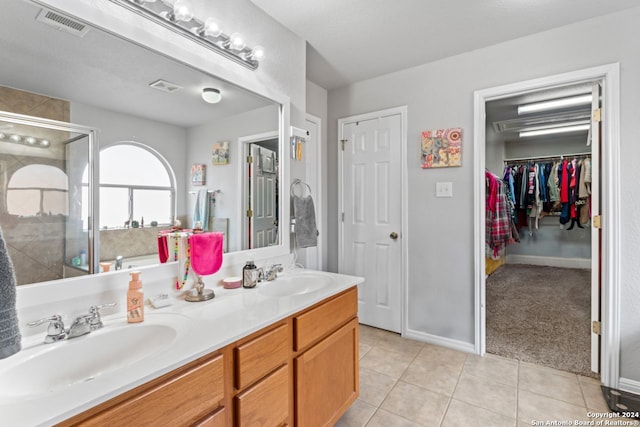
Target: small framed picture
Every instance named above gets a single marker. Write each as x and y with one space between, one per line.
198 174
220 153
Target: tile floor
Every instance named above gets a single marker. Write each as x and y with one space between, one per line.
410 383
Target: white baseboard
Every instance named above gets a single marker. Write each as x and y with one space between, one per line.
549 261
441 341
632 386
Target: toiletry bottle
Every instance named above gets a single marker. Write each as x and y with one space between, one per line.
135 299
249 271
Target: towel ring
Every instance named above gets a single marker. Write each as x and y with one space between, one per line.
297 182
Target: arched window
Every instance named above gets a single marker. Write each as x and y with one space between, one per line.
136 186
38 190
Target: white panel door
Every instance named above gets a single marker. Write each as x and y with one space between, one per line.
372 205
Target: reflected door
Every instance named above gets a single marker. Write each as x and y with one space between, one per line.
262 194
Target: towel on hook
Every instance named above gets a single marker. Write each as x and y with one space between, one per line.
201 210
10 338
206 252
304 213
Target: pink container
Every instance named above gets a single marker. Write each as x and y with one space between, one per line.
232 282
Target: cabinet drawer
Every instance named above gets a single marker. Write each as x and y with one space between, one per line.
179 400
320 321
266 403
217 419
258 357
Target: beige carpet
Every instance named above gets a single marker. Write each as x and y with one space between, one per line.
540 315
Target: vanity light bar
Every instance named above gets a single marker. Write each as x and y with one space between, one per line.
179 18
29 141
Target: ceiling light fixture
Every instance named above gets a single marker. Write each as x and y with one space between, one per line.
554 130
179 17
211 95
554 104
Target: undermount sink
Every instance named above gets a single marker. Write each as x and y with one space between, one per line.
295 284
54 367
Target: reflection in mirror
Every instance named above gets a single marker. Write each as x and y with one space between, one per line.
42 214
136 100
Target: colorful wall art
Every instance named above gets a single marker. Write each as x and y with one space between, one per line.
220 153
441 148
198 174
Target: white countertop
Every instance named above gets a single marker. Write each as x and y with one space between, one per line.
210 325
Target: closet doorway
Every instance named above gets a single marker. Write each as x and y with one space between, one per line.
539 149
539 299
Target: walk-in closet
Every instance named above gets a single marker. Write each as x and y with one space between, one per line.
541 188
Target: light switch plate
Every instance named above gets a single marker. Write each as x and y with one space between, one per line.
444 189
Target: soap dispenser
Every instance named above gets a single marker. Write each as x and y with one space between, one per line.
135 299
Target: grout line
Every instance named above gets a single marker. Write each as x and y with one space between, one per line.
518 393
446 410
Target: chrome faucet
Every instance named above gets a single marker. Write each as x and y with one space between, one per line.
119 262
79 327
82 325
55 332
271 272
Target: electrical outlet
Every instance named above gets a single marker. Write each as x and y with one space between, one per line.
444 189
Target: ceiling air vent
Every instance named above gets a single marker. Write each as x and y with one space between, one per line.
62 22
165 86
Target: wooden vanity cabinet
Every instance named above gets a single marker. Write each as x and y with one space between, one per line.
185 396
261 378
302 371
326 367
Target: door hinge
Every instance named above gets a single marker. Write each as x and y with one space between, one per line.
595 327
342 216
597 115
249 159
597 221
249 213
343 141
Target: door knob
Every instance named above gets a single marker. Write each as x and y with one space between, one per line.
393 235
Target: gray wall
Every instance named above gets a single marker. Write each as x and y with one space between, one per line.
439 95
317 98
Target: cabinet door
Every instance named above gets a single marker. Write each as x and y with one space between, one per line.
326 378
266 403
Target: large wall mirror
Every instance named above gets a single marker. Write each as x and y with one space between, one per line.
92 118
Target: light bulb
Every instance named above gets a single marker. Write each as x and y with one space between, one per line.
237 41
257 53
211 28
30 140
45 142
2 135
15 138
182 11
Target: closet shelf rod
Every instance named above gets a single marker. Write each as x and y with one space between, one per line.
558 156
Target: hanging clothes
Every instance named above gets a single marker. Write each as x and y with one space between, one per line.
543 187
499 209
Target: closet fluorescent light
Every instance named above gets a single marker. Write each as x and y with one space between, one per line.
563 129
555 104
